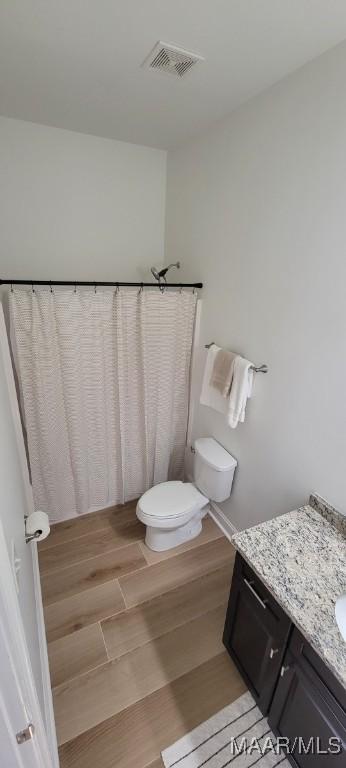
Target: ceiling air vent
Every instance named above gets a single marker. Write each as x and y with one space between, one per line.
168 58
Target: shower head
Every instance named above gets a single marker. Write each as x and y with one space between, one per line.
161 274
156 273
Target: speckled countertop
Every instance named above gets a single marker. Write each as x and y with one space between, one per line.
301 559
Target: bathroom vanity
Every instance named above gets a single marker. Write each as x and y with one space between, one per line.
280 627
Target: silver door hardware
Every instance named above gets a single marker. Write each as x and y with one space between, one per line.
272 652
26 734
258 598
284 670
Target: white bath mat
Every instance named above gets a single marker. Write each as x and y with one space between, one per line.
239 734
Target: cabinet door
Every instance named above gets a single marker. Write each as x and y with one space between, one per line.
255 634
305 711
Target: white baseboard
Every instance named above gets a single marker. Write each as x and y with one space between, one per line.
48 713
221 520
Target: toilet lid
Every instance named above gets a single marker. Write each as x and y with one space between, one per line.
171 499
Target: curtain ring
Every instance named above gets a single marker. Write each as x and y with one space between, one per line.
51 289
181 289
32 287
116 289
95 288
75 287
11 288
140 290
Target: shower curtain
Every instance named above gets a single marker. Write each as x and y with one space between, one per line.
104 384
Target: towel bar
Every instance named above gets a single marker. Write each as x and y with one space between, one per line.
257 369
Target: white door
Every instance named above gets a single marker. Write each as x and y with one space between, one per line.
25 696
23 742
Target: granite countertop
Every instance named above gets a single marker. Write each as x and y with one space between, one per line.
301 558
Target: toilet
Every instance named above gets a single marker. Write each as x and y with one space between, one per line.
173 511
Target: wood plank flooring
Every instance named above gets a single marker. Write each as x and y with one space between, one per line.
134 638
145 622
77 653
66 582
69 614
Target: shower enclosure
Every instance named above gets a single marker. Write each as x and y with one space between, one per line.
104 386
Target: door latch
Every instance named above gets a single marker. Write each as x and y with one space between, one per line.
26 734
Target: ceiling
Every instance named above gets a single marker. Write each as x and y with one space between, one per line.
77 63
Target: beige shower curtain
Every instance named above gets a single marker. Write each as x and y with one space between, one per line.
104 382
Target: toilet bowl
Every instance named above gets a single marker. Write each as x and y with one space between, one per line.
173 511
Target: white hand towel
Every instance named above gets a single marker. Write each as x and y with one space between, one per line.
222 373
241 390
209 395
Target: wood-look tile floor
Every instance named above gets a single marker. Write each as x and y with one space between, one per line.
134 638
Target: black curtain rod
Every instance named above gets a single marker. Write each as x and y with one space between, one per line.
96 283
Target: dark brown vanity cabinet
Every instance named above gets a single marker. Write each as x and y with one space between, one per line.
309 709
291 685
256 633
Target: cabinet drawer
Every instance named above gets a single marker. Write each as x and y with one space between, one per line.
256 633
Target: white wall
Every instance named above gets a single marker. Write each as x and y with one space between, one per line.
78 207
72 207
257 210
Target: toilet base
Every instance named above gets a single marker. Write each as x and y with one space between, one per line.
160 539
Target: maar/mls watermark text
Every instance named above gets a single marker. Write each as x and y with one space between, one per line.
297 745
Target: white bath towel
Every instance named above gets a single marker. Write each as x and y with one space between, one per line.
241 390
209 395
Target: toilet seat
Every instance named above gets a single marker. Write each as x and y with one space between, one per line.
170 501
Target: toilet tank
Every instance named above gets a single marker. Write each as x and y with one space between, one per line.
213 469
